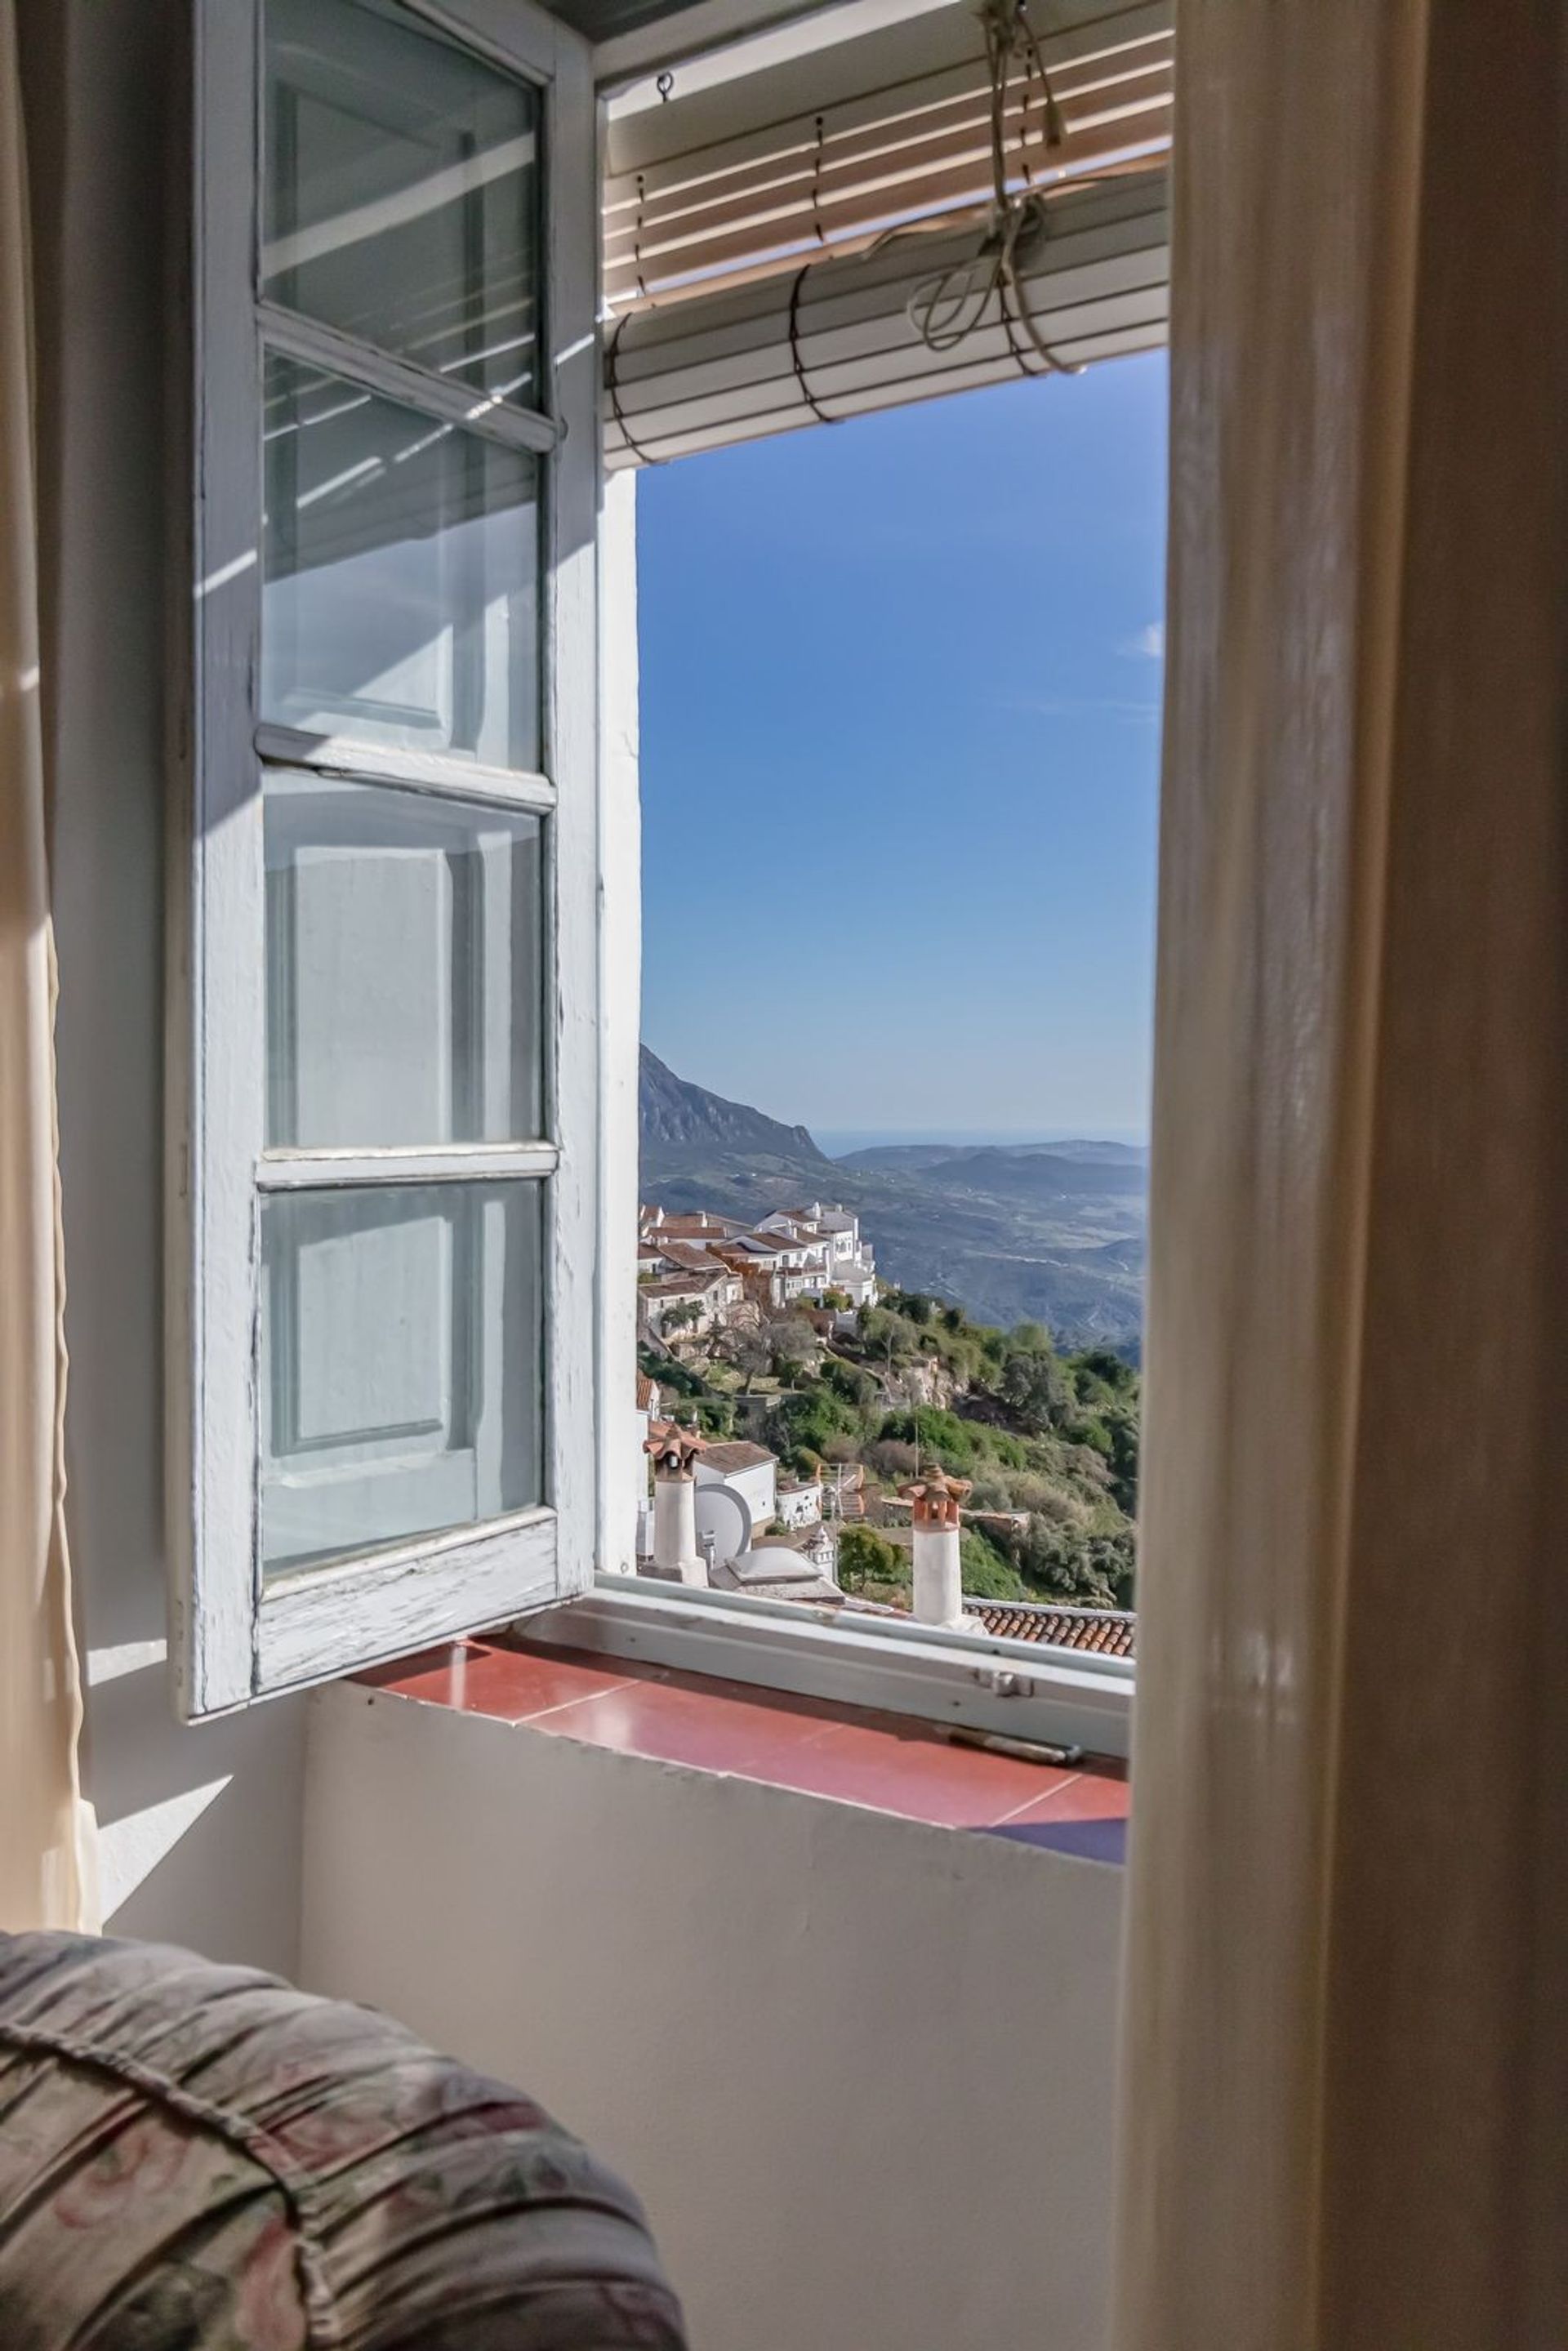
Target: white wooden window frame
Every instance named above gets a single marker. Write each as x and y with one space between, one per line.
236 1638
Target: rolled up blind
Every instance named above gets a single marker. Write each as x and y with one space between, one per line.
839 339
770 264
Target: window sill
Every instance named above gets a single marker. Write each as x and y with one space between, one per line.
810 1745
1020 1689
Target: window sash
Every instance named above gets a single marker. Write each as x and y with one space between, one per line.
236 1638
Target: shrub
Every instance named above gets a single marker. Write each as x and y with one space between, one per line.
1104 1366
941 1435
1049 1500
1088 1429
812 1416
984 1572
890 1459
991 1494
848 1381
1082 1570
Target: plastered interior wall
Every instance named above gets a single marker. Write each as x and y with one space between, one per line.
858 2069
200 1828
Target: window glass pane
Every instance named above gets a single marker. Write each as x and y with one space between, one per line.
400 599
404 969
402 192
401 1364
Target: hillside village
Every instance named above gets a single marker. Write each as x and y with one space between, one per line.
795 1409
1052 1233
702 1272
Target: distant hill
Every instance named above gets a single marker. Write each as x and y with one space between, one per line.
936 1155
1042 1175
1027 1233
677 1116
905 1156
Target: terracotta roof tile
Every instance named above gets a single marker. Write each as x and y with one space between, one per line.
1108 1632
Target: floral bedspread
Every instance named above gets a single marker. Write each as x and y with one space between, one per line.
200 2158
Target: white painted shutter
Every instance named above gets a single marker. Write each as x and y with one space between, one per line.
385 1073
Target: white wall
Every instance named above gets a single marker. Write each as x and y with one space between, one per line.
201 1829
860 2070
757 1484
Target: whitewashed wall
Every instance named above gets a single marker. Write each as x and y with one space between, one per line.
201 1829
860 2070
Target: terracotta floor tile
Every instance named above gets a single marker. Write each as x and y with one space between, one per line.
1082 1796
713 1729
508 1684
920 1778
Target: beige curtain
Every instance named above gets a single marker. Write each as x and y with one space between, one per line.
1345 2095
45 1854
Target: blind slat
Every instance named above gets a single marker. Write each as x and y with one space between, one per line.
957 131
889 114
802 223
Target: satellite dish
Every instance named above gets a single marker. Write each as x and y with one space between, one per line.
723 1514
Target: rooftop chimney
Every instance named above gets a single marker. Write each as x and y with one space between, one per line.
934 1502
673 1450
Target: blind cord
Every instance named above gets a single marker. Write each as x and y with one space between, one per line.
946 308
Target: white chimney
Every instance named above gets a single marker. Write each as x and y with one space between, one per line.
675 1553
933 1503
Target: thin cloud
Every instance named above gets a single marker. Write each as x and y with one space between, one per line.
1149 644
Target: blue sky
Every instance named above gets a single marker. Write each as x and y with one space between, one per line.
900 728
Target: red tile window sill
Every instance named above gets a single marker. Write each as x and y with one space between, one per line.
887 1762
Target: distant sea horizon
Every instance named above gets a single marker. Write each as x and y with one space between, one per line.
839 1142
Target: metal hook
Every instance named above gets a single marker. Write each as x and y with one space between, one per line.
665 83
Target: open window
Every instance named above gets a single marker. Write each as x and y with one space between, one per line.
849 215
403 998
384 1070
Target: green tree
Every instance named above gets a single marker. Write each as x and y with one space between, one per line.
866 1558
747 1349
793 1343
1034 1382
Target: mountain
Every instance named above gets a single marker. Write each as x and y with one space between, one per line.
1013 1235
677 1116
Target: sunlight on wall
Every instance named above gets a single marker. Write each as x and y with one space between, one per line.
130 1850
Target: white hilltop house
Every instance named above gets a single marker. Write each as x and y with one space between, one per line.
849 1261
790 1257
799 1502
748 1471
